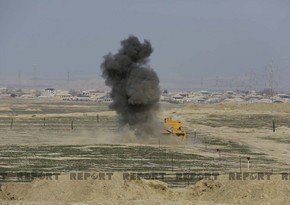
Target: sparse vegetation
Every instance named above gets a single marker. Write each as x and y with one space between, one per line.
43 123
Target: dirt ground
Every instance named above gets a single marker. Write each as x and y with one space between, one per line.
237 130
118 191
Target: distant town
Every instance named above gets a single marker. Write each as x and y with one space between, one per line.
194 97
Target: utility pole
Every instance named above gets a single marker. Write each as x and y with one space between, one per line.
34 77
217 83
68 84
272 78
19 78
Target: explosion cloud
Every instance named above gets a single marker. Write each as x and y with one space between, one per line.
134 85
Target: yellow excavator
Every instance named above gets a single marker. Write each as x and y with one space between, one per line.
174 127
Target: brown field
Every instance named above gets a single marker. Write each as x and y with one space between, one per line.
67 137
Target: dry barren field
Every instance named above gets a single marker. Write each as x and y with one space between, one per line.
67 138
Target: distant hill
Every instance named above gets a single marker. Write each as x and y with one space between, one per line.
82 84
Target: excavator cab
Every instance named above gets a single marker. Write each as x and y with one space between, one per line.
174 127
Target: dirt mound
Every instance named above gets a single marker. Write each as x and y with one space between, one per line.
225 191
119 191
64 189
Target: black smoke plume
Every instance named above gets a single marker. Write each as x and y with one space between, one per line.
134 85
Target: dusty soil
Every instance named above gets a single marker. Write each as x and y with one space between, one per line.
118 191
237 130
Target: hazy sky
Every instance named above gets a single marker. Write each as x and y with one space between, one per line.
193 40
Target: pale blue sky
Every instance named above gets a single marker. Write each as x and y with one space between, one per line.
193 40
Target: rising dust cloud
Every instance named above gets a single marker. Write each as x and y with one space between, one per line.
134 86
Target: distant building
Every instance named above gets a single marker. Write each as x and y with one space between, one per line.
26 96
50 92
177 97
63 95
105 97
108 100
3 90
283 96
204 92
